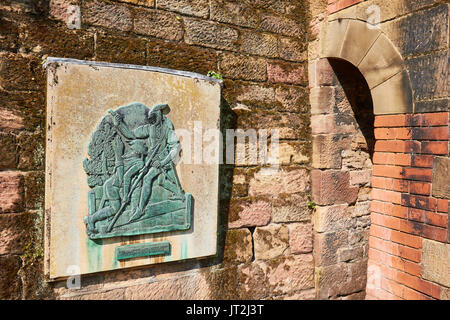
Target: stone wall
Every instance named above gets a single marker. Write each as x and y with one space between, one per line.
260 49
313 229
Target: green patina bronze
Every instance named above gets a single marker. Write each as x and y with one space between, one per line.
134 185
143 250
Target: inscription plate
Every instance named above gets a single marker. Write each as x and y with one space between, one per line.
115 170
142 250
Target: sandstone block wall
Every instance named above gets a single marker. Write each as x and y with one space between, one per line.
260 50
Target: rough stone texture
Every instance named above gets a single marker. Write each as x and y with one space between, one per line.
282 25
271 241
280 276
260 44
441 171
300 238
292 98
249 213
11 192
435 261
120 49
9 156
199 8
327 148
159 24
238 246
20 72
190 286
428 74
171 34
242 67
331 218
332 187
100 13
210 34
273 184
282 72
234 12
9 279
290 208
412 36
292 49
14 229
180 57
292 273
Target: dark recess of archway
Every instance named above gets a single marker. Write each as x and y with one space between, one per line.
359 97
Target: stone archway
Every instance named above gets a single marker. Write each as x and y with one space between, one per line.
360 75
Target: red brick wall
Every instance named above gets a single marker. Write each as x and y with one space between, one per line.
403 211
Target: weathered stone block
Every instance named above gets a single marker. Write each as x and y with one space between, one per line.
242 67
327 150
104 14
20 73
73 121
326 246
271 241
292 273
198 8
261 44
238 246
441 172
58 41
428 75
10 284
349 254
190 286
300 238
272 184
29 106
332 187
435 261
282 25
292 49
211 34
423 31
322 100
159 24
331 218
290 208
245 213
9 156
34 183
31 154
120 49
259 96
180 57
284 72
15 231
11 192
235 12
292 99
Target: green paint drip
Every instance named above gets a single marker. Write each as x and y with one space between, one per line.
184 249
94 249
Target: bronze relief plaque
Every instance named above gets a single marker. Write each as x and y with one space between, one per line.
118 192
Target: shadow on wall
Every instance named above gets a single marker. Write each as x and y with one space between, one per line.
358 94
